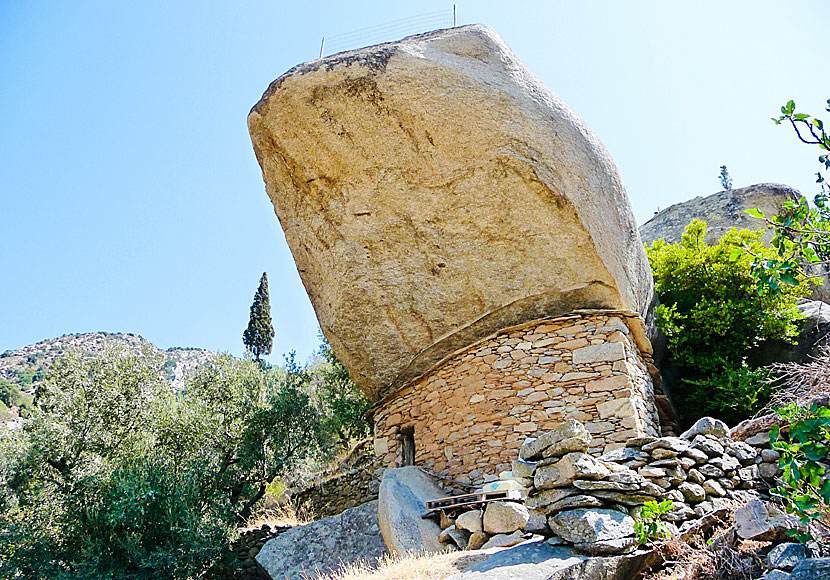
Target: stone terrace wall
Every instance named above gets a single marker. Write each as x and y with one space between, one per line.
343 491
471 414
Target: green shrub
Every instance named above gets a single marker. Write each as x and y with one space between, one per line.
345 405
805 484
732 394
115 476
713 311
650 525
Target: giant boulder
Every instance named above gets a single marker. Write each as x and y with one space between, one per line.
432 192
324 545
721 212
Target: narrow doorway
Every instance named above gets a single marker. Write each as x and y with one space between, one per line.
406 442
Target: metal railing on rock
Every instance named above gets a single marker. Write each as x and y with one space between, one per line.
389 31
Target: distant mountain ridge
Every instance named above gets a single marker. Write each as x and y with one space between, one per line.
21 369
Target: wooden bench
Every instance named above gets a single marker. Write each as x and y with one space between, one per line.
469 501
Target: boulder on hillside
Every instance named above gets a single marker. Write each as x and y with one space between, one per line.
721 212
434 191
811 339
323 546
403 494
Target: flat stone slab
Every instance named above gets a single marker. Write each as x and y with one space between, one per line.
433 191
322 546
540 561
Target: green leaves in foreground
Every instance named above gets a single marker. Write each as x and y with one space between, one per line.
805 485
650 525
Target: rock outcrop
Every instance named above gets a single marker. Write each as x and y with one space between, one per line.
324 545
433 192
721 212
403 494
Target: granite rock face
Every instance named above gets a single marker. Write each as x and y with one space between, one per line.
401 502
322 546
432 192
721 212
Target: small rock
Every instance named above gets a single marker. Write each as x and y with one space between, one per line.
758 440
679 512
537 523
786 556
624 454
748 474
573 502
692 491
571 467
590 485
470 521
477 540
523 468
446 521
698 455
670 462
623 498
503 540
455 537
608 547
548 497
673 443
706 426
709 446
504 517
744 453
567 437
661 453
710 470
712 487
768 470
770 455
696 476
651 472
725 462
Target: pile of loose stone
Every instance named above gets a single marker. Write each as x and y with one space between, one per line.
591 502
500 524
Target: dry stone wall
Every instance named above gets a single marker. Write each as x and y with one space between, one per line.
343 491
700 471
469 416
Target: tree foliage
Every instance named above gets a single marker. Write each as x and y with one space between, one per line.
725 178
116 476
347 405
805 484
713 312
259 335
802 231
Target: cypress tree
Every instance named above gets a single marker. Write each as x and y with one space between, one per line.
259 336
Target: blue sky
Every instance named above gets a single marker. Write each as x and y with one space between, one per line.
131 200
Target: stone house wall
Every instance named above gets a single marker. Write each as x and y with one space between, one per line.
469 415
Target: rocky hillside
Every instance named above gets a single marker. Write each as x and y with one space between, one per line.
21 369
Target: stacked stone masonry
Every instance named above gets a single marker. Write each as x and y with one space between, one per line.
343 491
469 415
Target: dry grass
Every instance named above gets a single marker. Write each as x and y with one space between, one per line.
423 567
281 515
802 383
695 560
